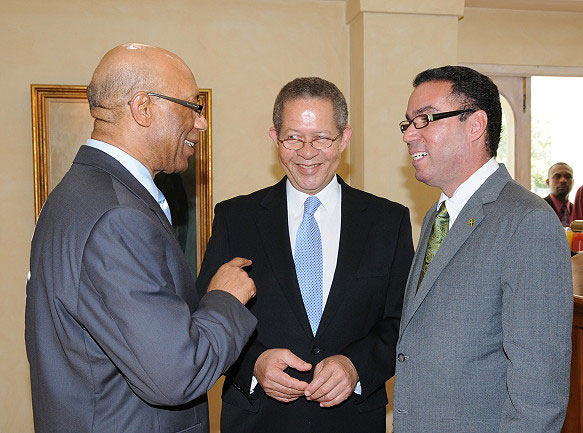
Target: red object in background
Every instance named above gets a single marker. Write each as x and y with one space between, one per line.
577 245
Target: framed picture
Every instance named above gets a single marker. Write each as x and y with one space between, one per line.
61 123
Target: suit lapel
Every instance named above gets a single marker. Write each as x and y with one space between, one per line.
456 237
415 271
273 228
354 230
96 158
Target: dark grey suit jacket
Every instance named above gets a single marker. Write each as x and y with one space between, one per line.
485 342
116 337
360 319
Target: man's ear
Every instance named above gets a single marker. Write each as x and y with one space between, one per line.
346 134
547 182
141 109
273 135
478 124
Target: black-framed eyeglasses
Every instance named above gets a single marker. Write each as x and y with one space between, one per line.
198 108
423 120
317 143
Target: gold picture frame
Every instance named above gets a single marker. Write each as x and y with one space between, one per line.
61 123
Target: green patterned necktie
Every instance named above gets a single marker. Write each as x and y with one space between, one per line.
438 232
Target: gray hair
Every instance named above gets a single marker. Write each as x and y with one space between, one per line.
311 87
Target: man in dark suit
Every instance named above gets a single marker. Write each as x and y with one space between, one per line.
116 337
560 183
330 263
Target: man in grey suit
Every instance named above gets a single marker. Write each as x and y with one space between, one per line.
116 336
485 337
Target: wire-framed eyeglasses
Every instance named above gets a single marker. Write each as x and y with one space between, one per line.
318 143
422 120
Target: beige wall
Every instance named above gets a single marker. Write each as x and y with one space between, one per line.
507 37
244 51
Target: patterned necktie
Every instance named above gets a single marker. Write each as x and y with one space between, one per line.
565 215
309 264
164 205
438 232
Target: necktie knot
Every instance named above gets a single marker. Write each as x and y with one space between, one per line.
311 205
442 213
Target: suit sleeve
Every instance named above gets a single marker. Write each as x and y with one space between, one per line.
218 252
129 305
374 356
537 297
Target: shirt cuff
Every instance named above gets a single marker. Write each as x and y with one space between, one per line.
254 384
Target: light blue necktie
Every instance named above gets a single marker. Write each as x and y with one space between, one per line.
164 205
309 263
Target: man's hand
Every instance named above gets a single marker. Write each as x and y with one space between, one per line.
275 383
233 279
334 380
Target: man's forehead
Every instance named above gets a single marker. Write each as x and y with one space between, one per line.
429 96
561 169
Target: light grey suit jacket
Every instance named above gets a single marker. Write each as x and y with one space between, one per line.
485 343
116 336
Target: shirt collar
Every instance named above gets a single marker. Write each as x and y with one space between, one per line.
462 194
131 164
329 197
558 205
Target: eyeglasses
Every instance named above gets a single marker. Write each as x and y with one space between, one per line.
423 120
198 108
317 143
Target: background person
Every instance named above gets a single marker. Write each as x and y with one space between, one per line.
560 183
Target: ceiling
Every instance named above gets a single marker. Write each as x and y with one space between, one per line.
537 5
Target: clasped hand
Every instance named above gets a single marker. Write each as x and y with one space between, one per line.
334 378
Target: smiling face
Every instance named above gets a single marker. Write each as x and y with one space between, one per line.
310 170
177 131
443 153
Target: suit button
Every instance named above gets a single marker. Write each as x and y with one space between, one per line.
401 357
315 350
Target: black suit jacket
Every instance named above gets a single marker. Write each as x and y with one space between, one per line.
360 319
116 337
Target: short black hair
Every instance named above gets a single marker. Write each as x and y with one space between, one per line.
558 163
311 87
475 91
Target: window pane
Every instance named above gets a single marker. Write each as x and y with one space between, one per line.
556 104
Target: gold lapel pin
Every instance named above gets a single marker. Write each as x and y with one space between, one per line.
471 222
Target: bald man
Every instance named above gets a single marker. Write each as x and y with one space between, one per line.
116 336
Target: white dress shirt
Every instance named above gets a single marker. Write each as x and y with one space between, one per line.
328 217
462 194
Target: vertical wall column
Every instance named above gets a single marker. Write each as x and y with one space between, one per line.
390 42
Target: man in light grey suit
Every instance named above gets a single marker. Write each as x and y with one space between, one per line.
116 336
485 337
